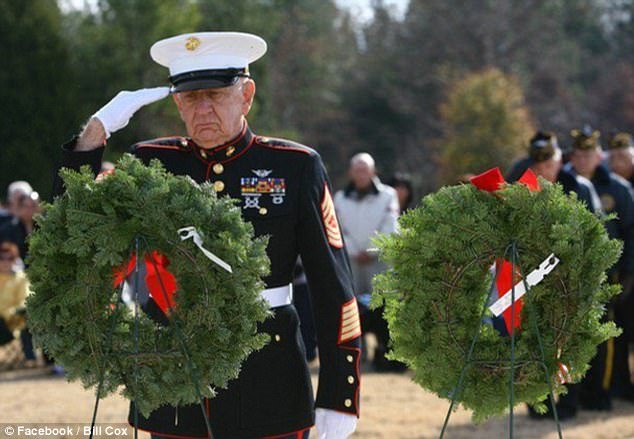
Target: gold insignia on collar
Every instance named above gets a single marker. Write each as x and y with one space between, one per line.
192 43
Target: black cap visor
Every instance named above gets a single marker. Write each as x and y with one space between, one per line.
202 79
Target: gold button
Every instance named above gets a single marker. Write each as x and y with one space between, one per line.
263 210
219 186
230 151
350 379
350 358
203 154
347 403
277 337
218 168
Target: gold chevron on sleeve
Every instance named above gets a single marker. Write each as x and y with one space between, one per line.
350 323
329 217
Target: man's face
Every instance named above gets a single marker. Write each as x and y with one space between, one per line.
622 162
548 169
8 257
214 116
361 175
24 206
6 263
586 161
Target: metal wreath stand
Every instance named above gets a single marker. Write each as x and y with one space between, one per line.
511 250
140 242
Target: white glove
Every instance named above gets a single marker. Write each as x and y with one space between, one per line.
117 113
334 425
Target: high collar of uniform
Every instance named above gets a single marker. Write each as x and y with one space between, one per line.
227 151
602 174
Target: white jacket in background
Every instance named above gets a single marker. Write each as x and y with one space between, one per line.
361 218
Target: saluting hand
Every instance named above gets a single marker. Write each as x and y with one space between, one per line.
116 114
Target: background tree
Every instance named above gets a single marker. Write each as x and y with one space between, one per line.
37 94
330 81
109 48
486 124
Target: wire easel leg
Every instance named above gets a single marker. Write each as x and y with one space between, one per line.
458 387
551 394
175 322
136 333
108 346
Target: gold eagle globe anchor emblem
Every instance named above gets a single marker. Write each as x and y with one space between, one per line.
192 43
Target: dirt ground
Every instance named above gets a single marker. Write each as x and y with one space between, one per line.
392 407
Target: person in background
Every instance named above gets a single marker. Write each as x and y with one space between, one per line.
545 160
620 158
402 184
620 155
5 215
367 207
14 288
616 197
22 204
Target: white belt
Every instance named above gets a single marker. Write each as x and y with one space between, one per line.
278 296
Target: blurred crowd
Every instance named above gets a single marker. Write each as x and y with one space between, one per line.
16 223
601 174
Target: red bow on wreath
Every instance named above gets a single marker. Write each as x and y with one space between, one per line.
156 288
491 181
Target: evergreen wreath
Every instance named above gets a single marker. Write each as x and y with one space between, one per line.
439 281
90 232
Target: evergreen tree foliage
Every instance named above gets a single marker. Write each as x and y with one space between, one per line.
36 91
486 124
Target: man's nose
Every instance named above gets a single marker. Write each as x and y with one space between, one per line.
205 105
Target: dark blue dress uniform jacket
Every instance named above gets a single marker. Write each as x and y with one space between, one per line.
273 394
616 197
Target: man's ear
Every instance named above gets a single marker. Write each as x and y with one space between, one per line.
248 93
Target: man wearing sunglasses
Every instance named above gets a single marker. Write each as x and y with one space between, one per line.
283 190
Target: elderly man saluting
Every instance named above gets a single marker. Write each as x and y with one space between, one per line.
285 193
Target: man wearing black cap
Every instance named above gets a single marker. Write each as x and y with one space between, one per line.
621 155
545 160
284 192
616 197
